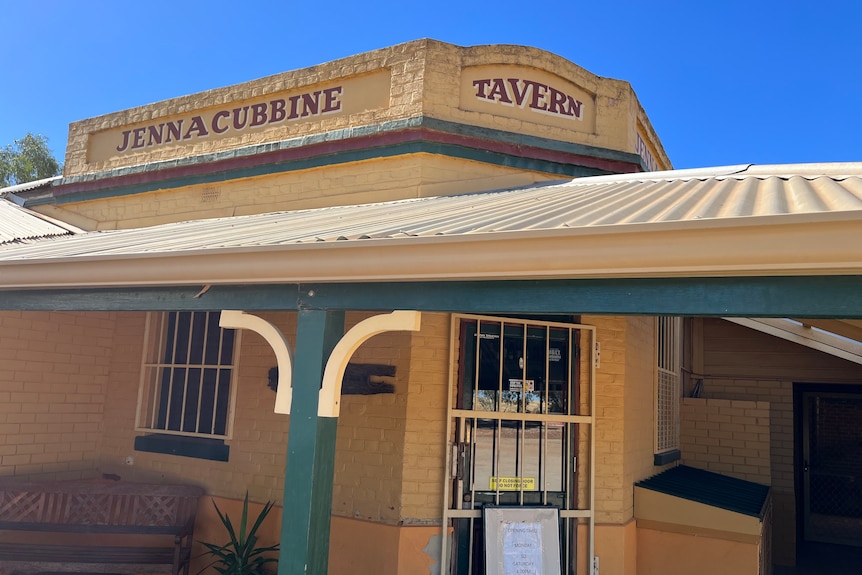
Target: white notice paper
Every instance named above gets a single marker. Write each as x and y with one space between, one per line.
522 540
522 548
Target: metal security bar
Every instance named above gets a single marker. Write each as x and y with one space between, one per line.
187 376
668 379
521 430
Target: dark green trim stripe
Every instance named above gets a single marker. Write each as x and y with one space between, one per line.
435 124
666 457
196 447
412 135
804 297
400 149
528 140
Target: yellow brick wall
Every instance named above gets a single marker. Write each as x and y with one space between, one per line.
726 436
624 412
425 437
369 443
371 435
259 442
121 397
412 176
378 452
740 363
640 357
624 390
609 388
54 375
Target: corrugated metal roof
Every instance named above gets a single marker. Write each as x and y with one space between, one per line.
21 225
709 488
28 185
686 196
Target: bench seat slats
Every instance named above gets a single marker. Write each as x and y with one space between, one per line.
77 528
120 508
81 554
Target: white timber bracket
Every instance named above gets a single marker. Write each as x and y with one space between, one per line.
329 400
241 320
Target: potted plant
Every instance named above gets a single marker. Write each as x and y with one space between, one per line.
241 554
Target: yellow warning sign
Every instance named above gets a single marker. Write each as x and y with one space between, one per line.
513 483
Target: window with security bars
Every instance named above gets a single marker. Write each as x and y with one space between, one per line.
668 381
188 375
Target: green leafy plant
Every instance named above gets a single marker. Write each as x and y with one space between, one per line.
240 555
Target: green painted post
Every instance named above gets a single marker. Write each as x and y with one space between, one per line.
310 451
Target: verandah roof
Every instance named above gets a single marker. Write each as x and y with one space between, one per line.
744 220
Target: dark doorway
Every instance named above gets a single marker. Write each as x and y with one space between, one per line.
829 452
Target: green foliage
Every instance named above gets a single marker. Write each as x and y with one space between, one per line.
26 160
240 555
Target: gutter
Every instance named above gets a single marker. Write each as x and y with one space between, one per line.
804 245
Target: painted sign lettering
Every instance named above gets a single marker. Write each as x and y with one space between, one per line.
522 549
512 483
528 94
316 103
228 119
643 151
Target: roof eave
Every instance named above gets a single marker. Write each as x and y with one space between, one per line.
789 246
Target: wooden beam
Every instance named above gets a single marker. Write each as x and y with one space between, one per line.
801 297
813 296
170 298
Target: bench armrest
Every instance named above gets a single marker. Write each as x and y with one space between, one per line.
187 530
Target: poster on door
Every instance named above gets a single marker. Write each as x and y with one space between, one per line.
522 540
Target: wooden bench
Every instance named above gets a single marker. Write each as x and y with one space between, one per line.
97 522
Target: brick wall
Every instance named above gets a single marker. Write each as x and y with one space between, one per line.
639 406
69 393
741 363
609 389
259 442
730 437
369 443
54 374
425 436
624 412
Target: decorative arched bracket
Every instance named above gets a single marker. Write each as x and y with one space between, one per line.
241 320
329 404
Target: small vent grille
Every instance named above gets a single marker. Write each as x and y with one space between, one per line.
210 195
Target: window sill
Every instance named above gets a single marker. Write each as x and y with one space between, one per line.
667 457
196 447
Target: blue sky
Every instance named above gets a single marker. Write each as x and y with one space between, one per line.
723 83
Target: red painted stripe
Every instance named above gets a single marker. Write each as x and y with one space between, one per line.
351 144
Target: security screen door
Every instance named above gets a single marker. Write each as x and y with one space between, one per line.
832 467
520 419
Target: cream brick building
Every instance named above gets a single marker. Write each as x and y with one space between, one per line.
422 177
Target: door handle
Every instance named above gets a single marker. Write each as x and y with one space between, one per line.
805 466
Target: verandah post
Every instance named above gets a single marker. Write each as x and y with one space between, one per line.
310 450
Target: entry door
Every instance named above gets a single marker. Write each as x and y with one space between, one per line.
832 467
520 406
